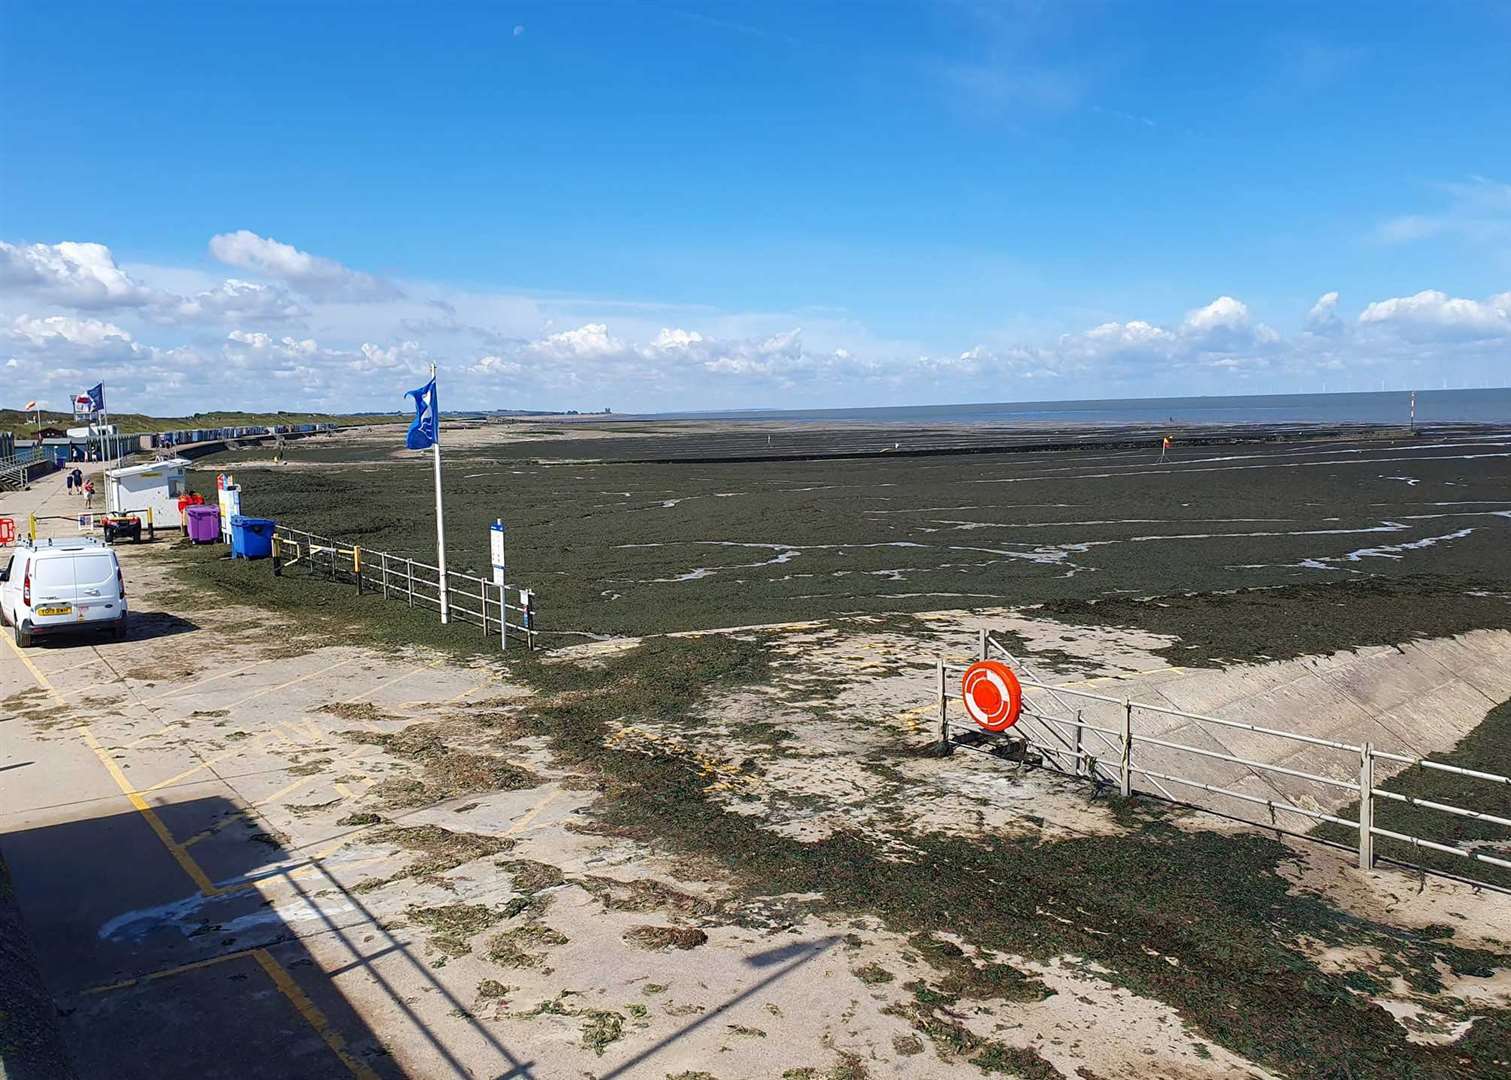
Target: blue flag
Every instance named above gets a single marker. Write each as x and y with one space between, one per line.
97 397
427 417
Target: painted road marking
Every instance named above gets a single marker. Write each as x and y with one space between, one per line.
389 682
195 965
286 985
312 1014
292 682
534 812
236 751
202 682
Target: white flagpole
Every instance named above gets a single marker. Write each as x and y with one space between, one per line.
440 517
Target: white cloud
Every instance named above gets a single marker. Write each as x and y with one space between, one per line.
1224 313
497 366
676 339
71 274
312 275
1476 211
1323 318
592 341
232 301
53 329
406 356
177 338
1431 314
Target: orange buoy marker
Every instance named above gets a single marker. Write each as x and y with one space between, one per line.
993 696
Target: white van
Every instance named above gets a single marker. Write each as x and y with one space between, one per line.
62 585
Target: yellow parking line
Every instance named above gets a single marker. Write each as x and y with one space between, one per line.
470 690
292 682
202 682
178 970
134 743
389 682
245 812
188 865
534 812
312 1015
235 751
286 985
80 691
177 850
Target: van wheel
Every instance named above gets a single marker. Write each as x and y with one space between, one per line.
23 639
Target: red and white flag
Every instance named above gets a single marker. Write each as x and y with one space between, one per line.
31 406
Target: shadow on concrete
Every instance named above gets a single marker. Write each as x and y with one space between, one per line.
145 625
791 957
140 626
156 978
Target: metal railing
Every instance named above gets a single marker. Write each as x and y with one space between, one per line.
409 581
15 470
1147 749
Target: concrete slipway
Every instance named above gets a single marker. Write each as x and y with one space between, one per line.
177 811
1412 699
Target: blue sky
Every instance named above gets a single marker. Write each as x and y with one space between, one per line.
669 205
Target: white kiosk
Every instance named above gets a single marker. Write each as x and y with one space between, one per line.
156 487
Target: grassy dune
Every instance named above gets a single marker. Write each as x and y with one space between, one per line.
24 425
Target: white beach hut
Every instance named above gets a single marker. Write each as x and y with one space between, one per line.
155 486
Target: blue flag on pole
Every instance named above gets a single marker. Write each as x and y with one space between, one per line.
97 397
427 417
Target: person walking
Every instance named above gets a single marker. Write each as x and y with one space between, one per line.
88 494
76 476
69 480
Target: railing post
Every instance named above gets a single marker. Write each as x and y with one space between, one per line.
1075 745
1126 772
503 618
357 566
383 570
981 652
277 556
1366 807
944 713
409 577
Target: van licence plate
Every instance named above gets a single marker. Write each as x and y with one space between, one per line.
62 609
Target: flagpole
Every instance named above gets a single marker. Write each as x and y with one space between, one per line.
440 517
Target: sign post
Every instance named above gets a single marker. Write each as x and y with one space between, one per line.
500 578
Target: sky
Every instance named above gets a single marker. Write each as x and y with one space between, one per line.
652 206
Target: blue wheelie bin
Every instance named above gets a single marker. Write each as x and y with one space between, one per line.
251 537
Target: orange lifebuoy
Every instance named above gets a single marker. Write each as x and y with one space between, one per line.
992 694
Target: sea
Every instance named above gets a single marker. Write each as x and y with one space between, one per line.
1483 406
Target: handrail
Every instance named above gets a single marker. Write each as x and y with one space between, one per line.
1059 739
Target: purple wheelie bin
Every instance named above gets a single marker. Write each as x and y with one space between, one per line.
204 524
